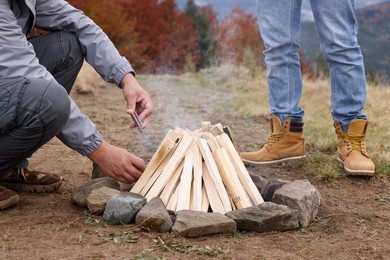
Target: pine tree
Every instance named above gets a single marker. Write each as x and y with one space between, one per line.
206 41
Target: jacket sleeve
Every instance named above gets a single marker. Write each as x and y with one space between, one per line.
80 133
98 49
16 53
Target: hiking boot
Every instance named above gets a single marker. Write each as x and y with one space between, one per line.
21 179
286 143
8 198
351 149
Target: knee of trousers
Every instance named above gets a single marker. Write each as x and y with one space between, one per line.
56 107
53 107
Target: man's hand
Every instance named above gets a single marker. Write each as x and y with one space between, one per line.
117 163
137 99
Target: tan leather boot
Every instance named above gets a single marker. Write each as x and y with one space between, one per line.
286 143
351 149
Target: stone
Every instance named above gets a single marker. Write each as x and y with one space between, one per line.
265 217
259 181
302 196
154 216
97 199
80 194
269 190
266 187
197 223
123 207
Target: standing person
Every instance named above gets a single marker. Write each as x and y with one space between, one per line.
36 76
280 22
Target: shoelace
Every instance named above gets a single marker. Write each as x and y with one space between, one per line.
356 142
21 173
274 138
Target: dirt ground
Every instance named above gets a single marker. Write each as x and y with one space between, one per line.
353 221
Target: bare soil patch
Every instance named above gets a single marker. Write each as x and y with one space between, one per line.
353 221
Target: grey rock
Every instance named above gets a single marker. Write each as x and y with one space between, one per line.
266 187
123 207
302 196
265 217
269 190
97 173
80 194
154 216
259 181
97 199
196 223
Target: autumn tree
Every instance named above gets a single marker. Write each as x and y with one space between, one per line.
203 18
238 32
115 23
167 36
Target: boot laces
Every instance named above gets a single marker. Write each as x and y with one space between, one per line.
274 138
20 174
356 142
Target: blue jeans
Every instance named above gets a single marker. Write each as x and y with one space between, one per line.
280 24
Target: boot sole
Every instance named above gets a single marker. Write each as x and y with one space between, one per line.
357 173
11 201
23 187
274 161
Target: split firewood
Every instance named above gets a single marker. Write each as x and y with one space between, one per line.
214 173
169 143
184 199
240 169
198 170
196 191
171 166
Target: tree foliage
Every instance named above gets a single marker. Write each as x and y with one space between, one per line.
235 33
157 37
121 30
203 20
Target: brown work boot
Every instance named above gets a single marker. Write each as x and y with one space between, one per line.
19 179
351 149
8 198
286 143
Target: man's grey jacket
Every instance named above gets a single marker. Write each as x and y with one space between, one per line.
17 56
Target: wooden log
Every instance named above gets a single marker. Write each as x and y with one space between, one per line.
229 133
170 168
172 184
155 175
169 143
242 173
173 200
196 195
213 170
212 193
205 200
211 141
184 199
216 129
230 179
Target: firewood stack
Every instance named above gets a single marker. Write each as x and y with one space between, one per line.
195 170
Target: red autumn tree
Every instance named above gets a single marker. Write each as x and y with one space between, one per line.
115 23
165 34
237 32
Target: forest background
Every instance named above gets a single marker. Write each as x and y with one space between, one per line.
158 37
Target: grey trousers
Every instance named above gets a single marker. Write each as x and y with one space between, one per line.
34 110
